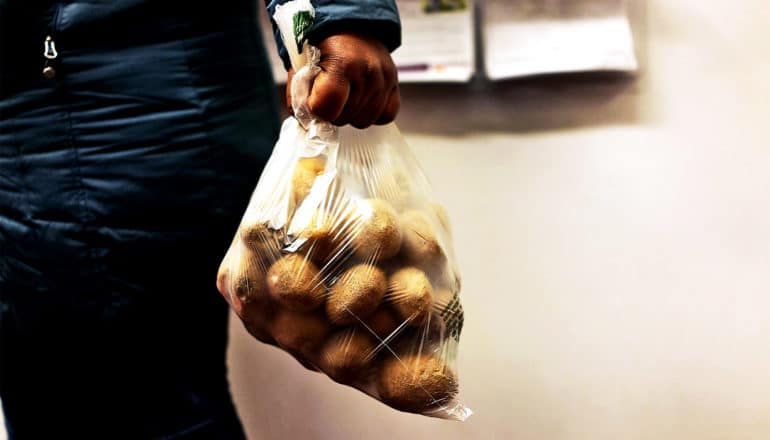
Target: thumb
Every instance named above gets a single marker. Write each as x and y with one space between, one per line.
328 95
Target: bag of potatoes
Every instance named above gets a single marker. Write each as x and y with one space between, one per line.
344 259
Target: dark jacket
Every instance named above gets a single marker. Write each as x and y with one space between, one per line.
123 176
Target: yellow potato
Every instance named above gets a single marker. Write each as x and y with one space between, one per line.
377 234
346 355
356 294
383 322
295 282
411 294
305 173
300 333
420 246
262 240
416 383
320 238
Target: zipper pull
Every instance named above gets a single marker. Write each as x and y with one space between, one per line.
49 48
49 52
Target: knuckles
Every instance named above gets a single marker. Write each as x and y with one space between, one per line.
360 75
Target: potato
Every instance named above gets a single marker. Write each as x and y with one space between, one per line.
377 234
411 294
420 246
429 336
383 322
241 274
300 333
295 282
319 236
260 333
416 383
356 294
305 173
347 353
262 240
249 283
250 300
257 318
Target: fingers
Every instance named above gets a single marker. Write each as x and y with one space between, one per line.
368 105
358 84
329 95
356 98
391 107
369 112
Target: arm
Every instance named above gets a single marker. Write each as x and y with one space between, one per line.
358 83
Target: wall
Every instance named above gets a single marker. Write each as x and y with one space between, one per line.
614 236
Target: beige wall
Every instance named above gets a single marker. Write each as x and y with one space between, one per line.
614 237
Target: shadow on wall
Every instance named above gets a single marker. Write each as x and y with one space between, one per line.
544 103
535 104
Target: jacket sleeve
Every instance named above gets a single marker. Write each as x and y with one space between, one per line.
375 18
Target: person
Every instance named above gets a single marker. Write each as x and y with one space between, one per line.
132 133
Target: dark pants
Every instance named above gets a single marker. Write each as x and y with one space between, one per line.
112 364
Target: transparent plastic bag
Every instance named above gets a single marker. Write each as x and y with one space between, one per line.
344 259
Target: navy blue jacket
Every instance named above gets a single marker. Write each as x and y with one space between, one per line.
123 175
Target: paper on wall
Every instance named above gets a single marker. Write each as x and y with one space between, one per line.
530 37
437 41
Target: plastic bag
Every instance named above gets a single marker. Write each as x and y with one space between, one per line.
344 259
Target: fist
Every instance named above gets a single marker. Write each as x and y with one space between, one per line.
357 85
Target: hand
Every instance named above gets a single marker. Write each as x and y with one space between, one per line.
357 85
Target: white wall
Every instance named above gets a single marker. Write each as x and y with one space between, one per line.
614 237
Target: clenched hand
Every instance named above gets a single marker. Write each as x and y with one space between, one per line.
357 85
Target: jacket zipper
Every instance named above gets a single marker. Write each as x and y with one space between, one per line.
49 47
50 54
